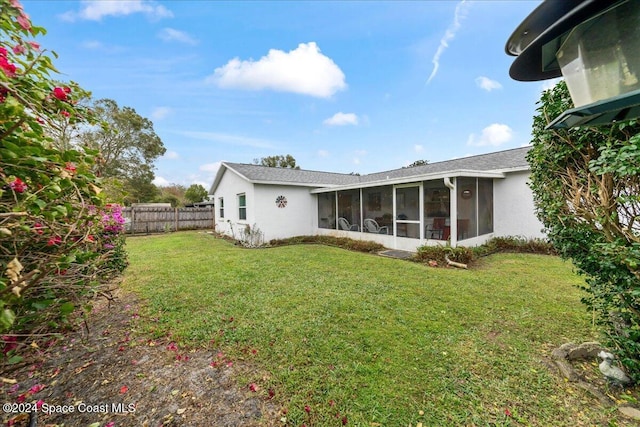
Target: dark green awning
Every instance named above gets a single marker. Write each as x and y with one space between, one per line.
617 109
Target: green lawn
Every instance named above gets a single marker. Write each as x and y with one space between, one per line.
380 341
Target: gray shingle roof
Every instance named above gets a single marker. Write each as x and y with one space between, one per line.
501 160
498 161
286 175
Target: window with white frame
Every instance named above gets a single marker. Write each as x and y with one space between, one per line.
221 206
242 206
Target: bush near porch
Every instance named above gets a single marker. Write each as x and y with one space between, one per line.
343 337
513 244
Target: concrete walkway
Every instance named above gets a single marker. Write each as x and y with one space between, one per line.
394 253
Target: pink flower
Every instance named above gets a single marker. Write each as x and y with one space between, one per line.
70 166
54 241
172 347
18 185
253 387
3 52
307 409
16 4
34 45
272 393
13 388
18 49
124 389
24 22
21 398
110 424
8 68
39 403
344 420
65 113
60 93
507 412
36 388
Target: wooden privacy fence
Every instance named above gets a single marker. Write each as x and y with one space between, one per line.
163 219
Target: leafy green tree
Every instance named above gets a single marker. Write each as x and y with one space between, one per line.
59 242
173 193
140 189
195 193
586 186
128 147
287 161
418 163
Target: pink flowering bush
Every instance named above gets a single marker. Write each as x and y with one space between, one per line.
60 244
112 238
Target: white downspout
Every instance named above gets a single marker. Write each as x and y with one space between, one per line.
453 209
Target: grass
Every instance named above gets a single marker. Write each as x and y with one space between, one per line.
376 340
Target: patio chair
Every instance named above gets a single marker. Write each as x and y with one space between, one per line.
437 229
371 226
343 224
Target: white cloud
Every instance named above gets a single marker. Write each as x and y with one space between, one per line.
171 155
418 148
493 135
356 161
342 119
210 167
96 10
458 15
172 35
228 139
160 113
92 44
101 47
487 84
304 70
198 181
323 153
549 84
160 181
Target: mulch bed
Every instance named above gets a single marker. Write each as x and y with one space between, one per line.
113 376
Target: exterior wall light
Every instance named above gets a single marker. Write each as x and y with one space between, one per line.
594 45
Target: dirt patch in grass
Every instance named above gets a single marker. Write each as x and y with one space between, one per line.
114 375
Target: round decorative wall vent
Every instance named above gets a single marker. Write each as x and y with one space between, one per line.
281 202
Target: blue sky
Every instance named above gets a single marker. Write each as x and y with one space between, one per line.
360 86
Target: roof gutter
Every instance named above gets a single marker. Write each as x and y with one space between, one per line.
453 209
415 178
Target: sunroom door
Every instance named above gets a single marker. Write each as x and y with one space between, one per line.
407 211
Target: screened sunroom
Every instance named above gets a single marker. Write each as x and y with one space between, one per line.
404 215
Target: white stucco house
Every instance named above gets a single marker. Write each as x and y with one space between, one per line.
463 201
